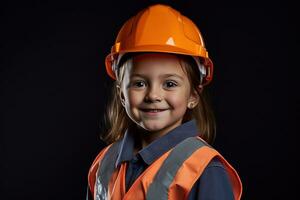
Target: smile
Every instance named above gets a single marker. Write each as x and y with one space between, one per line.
153 111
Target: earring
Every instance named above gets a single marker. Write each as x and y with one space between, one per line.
191 105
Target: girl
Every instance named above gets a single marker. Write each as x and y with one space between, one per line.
161 125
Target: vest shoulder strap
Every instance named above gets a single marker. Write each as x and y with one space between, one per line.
95 166
182 168
105 171
159 189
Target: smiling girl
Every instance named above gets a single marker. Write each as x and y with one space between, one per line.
161 125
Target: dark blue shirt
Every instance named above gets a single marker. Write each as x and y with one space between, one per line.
213 184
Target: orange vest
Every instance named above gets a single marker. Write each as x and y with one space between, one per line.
171 176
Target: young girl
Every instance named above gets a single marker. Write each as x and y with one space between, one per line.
161 125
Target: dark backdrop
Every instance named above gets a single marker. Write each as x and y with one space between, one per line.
54 89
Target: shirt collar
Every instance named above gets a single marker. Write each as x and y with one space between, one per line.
158 147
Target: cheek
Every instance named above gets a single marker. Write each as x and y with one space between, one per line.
178 102
134 98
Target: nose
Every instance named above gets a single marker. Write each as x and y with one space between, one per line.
154 94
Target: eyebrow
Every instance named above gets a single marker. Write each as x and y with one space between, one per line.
164 76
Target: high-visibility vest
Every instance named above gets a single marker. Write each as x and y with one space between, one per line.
171 176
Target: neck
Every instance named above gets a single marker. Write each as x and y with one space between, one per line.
145 137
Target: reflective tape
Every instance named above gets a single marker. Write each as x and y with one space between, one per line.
106 169
159 188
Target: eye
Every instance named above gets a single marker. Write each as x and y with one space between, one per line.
138 84
170 84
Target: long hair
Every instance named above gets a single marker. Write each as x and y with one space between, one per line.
117 121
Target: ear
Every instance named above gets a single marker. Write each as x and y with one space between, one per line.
193 99
121 95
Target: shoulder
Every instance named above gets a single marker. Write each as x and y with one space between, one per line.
95 165
215 171
215 163
214 183
100 155
114 146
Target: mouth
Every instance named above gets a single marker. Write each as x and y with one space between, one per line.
153 110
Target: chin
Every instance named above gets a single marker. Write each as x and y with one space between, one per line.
153 126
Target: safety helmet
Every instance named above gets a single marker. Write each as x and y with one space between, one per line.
160 28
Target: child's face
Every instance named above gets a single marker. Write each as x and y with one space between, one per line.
155 92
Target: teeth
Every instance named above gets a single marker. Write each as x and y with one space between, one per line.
153 110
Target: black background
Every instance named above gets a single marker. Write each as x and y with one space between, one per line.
54 89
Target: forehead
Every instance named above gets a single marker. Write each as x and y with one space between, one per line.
156 64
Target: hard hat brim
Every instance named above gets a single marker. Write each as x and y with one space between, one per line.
202 53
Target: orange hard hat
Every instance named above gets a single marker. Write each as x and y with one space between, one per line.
160 28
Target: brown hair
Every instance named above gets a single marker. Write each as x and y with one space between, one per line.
117 121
